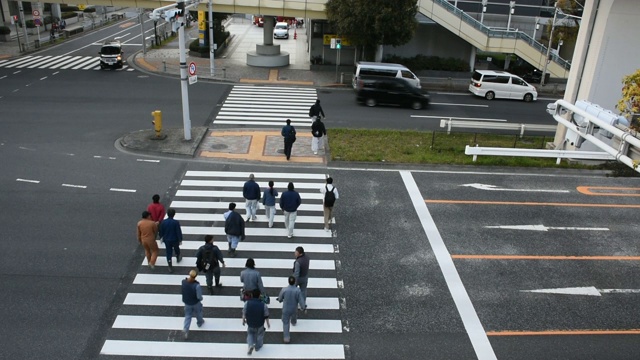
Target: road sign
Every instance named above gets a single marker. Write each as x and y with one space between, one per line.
37 22
192 68
193 79
35 13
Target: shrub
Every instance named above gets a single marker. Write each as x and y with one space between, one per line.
90 10
68 15
50 19
30 24
629 104
68 8
5 30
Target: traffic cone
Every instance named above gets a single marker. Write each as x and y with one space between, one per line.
295 34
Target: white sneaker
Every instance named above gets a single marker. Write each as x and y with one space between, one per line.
289 236
326 229
315 153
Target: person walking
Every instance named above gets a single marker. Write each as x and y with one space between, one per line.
147 232
234 228
316 110
192 299
269 202
289 134
330 195
301 272
251 193
289 203
156 209
171 234
290 297
254 314
208 259
318 131
251 279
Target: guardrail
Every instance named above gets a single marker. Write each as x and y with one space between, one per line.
558 154
450 123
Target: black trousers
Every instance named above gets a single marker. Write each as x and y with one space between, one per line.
287 148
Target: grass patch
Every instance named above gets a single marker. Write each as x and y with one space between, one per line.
433 147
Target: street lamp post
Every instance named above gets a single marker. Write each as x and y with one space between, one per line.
484 9
558 49
512 9
535 28
212 63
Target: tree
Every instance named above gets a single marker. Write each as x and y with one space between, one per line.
567 28
373 23
629 104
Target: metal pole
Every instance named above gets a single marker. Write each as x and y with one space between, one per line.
484 8
144 41
186 120
546 61
512 5
24 26
212 63
535 28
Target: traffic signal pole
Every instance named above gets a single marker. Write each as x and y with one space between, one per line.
184 84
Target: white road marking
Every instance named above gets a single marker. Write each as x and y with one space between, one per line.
544 228
75 186
457 118
122 190
26 148
584 290
263 246
233 263
219 301
468 315
258 175
453 104
44 78
29 181
151 161
495 188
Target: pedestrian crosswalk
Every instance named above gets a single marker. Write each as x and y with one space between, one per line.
151 318
267 106
62 62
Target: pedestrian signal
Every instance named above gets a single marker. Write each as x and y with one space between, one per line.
338 44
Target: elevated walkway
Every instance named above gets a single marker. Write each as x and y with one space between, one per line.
491 40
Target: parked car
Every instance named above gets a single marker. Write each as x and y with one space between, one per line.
281 31
502 85
374 90
111 55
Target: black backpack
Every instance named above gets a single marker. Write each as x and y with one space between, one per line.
209 260
329 197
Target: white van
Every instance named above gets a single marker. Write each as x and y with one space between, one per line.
384 69
501 85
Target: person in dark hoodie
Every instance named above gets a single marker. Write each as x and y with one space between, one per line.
234 228
289 203
318 131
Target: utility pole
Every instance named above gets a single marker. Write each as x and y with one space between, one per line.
547 60
212 49
144 41
24 25
484 9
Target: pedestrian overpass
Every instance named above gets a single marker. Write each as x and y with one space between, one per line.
440 11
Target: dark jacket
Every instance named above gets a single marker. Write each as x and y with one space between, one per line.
255 311
268 199
234 225
170 230
217 256
316 110
301 267
290 201
318 129
191 292
251 190
289 132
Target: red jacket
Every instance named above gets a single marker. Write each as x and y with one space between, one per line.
157 211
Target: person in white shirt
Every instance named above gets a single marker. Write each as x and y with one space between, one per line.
330 193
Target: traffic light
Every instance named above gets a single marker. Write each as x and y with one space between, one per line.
338 44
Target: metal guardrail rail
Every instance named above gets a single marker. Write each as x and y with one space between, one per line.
450 123
558 154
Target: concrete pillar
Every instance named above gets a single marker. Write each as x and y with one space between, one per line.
55 11
6 16
604 54
267 29
472 58
507 61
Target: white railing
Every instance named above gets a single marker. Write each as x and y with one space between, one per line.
450 123
558 154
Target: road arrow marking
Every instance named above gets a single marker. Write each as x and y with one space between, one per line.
585 291
544 228
495 188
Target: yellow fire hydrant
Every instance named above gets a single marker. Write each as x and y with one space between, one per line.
157 122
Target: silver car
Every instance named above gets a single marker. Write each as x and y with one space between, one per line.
281 31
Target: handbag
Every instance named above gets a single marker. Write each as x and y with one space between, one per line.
265 299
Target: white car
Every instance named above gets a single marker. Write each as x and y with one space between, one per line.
281 31
501 85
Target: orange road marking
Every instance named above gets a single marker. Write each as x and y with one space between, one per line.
587 190
146 65
564 332
545 257
476 202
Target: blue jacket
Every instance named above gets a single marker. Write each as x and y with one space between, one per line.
234 224
290 201
170 230
191 292
289 132
251 190
268 199
255 311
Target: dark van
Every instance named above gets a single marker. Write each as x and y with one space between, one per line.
374 90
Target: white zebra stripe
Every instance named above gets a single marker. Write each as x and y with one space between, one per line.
219 301
238 263
233 281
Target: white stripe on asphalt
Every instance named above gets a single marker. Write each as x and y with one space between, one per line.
220 301
267 110
225 205
240 184
267 113
233 281
472 324
221 324
258 123
237 194
293 102
20 61
261 246
158 349
297 233
46 65
83 60
456 118
93 61
255 87
239 263
35 60
258 175
73 59
319 219
308 97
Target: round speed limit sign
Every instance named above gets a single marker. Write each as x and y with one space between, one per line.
192 68
35 13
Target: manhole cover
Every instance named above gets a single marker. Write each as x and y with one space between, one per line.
219 146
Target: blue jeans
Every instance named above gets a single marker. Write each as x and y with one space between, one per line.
286 320
189 312
171 246
255 336
302 283
233 240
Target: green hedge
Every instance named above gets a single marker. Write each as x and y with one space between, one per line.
69 8
90 10
5 30
68 15
423 62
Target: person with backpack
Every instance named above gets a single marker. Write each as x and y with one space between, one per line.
330 193
269 202
318 131
289 203
234 228
316 110
208 259
289 134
